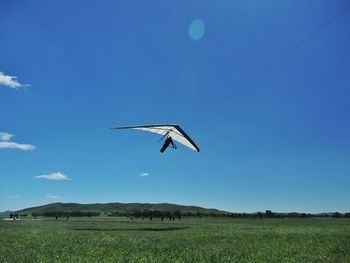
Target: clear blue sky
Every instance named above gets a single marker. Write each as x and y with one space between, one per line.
281 144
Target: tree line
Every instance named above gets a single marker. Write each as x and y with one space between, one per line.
65 214
270 214
178 214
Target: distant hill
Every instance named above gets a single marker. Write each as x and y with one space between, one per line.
5 213
123 208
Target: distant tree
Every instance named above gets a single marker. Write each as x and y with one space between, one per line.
15 216
177 213
34 214
199 214
269 213
336 215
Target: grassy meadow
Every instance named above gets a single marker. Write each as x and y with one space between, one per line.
188 240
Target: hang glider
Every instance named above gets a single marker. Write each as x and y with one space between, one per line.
170 132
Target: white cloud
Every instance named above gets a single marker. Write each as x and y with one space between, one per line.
5 143
14 145
53 176
13 196
51 196
144 174
4 136
10 81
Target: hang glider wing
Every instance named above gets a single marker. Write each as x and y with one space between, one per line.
174 131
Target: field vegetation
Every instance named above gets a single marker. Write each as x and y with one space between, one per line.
112 239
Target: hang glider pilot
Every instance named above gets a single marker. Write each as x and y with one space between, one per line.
167 142
172 133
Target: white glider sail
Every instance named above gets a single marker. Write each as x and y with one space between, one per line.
174 131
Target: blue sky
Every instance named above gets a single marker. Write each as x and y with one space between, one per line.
85 66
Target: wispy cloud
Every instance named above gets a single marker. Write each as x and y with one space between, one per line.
53 176
5 136
5 143
144 174
10 81
51 196
13 196
14 145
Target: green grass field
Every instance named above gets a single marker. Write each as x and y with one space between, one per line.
189 240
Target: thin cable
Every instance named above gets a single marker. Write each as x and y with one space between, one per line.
272 64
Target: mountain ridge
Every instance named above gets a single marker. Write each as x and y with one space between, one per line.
120 207
5 213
